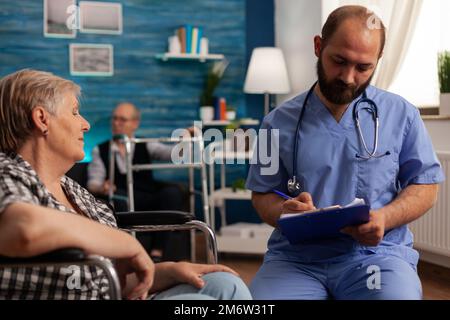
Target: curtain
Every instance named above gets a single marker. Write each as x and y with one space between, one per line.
399 34
297 21
400 18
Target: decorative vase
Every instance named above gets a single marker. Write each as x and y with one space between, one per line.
206 113
231 115
444 108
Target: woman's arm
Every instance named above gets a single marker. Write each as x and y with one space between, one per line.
28 230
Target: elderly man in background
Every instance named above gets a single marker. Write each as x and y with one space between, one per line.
149 194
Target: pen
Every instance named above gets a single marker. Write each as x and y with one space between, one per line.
281 194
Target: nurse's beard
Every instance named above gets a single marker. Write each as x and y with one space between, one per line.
336 91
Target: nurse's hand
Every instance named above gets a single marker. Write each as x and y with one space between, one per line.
301 203
371 233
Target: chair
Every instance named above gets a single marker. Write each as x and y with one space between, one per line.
127 221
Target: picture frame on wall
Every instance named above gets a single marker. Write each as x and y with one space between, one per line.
60 18
87 59
101 17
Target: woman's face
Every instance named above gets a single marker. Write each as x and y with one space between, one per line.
66 130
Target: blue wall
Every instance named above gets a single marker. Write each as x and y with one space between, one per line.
260 25
167 92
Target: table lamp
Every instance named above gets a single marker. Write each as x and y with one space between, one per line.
267 74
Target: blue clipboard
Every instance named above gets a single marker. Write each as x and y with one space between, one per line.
322 224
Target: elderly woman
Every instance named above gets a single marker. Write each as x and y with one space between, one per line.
41 138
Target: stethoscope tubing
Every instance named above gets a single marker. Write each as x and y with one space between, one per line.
373 109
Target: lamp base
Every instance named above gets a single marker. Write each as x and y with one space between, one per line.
266 103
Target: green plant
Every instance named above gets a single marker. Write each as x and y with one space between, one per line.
238 184
444 71
233 125
213 78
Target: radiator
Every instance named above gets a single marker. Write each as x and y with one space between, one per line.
432 231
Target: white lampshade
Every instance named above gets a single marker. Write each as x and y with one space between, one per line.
267 72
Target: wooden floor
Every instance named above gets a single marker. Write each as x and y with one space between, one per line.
435 279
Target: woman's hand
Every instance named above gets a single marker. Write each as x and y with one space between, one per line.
169 274
184 272
142 271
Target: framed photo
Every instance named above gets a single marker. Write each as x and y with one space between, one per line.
100 17
88 59
60 18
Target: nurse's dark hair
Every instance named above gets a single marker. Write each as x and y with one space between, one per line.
20 93
367 18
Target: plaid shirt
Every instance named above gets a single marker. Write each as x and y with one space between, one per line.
20 183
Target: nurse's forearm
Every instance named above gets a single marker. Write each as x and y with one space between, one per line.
412 203
268 206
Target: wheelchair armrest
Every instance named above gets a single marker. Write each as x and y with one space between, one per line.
149 218
59 255
69 256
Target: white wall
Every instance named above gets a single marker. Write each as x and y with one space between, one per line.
296 24
439 131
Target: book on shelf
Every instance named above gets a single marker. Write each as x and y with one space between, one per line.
190 38
199 39
216 108
223 108
220 108
181 33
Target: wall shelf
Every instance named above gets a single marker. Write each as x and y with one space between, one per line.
228 193
213 123
241 122
189 56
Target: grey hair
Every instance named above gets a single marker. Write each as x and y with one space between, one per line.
20 93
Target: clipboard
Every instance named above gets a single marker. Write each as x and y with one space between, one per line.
323 223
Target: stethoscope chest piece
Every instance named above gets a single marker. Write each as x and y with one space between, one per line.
293 186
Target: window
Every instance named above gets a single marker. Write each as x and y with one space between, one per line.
417 80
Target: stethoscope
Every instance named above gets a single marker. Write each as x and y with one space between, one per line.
293 185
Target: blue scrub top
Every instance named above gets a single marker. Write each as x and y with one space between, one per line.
327 167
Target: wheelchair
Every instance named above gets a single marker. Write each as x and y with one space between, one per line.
127 221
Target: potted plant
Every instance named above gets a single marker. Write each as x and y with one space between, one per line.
238 185
444 81
231 113
213 78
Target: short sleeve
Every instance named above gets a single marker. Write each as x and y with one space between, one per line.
418 161
266 168
12 191
96 170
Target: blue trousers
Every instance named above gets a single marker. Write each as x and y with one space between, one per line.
218 286
361 277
